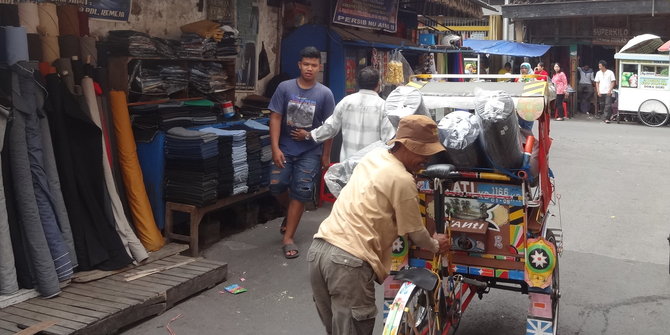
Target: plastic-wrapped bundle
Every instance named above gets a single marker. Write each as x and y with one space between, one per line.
338 174
500 129
459 132
404 101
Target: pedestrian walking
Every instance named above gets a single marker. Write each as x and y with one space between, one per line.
605 81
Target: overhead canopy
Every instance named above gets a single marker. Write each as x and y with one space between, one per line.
509 48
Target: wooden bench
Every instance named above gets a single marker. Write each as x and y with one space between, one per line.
197 213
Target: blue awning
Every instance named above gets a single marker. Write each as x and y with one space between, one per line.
508 48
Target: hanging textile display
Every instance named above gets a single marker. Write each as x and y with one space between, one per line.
132 175
8 283
128 237
78 150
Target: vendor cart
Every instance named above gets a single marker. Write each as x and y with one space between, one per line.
496 219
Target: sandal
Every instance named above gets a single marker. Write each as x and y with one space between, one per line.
282 228
290 250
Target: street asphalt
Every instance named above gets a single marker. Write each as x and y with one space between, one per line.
613 197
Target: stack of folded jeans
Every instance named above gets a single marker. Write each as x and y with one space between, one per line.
254 147
191 166
195 46
266 159
209 77
238 155
132 43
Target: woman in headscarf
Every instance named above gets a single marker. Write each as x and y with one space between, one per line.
525 69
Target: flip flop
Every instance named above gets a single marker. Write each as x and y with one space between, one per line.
282 228
287 248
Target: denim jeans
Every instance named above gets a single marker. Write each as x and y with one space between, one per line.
297 176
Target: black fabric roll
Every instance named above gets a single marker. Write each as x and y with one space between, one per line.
9 15
69 46
500 130
78 70
34 47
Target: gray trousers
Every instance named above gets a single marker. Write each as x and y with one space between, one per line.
605 105
344 289
8 284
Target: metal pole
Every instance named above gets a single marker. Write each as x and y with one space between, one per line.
506 25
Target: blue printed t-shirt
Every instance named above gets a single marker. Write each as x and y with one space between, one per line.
301 108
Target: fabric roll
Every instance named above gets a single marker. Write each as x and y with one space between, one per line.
128 237
43 265
78 150
9 15
46 69
152 161
55 189
132 174
14 45
48 16
69 46
500 129
50 48
89 53
64 68
68 19
29 107
8 280
83 24
29 16
404 101
34 47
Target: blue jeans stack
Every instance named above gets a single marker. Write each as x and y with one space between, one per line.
191 167
239 156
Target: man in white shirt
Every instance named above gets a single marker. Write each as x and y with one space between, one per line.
605 81
360 116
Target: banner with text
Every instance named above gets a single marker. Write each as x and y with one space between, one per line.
117 10
372 14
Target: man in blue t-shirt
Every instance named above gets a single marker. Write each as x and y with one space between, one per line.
301 103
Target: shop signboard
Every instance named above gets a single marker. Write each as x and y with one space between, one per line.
116 10
377 15
610 35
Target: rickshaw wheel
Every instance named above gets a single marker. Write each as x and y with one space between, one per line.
555 284
418 314
653 113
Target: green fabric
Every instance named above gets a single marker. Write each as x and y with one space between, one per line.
200 103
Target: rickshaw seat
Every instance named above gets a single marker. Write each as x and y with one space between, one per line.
420 277
441 171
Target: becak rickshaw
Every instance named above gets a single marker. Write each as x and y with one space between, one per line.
492 199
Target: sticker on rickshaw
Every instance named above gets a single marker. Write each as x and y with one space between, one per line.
501 194
540 262
531 108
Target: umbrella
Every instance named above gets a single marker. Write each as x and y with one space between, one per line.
646 43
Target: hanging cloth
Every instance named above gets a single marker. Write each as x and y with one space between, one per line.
263 63
8 281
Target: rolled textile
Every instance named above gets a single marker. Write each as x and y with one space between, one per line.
68 19
132 174
9 15
404 101
46 68
29 16
34 47
54 187
458 132
89 53
83 24
500 129
14 45
37 244
8 280
48 16
128 237
78 150
50 49
69 46
64 68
